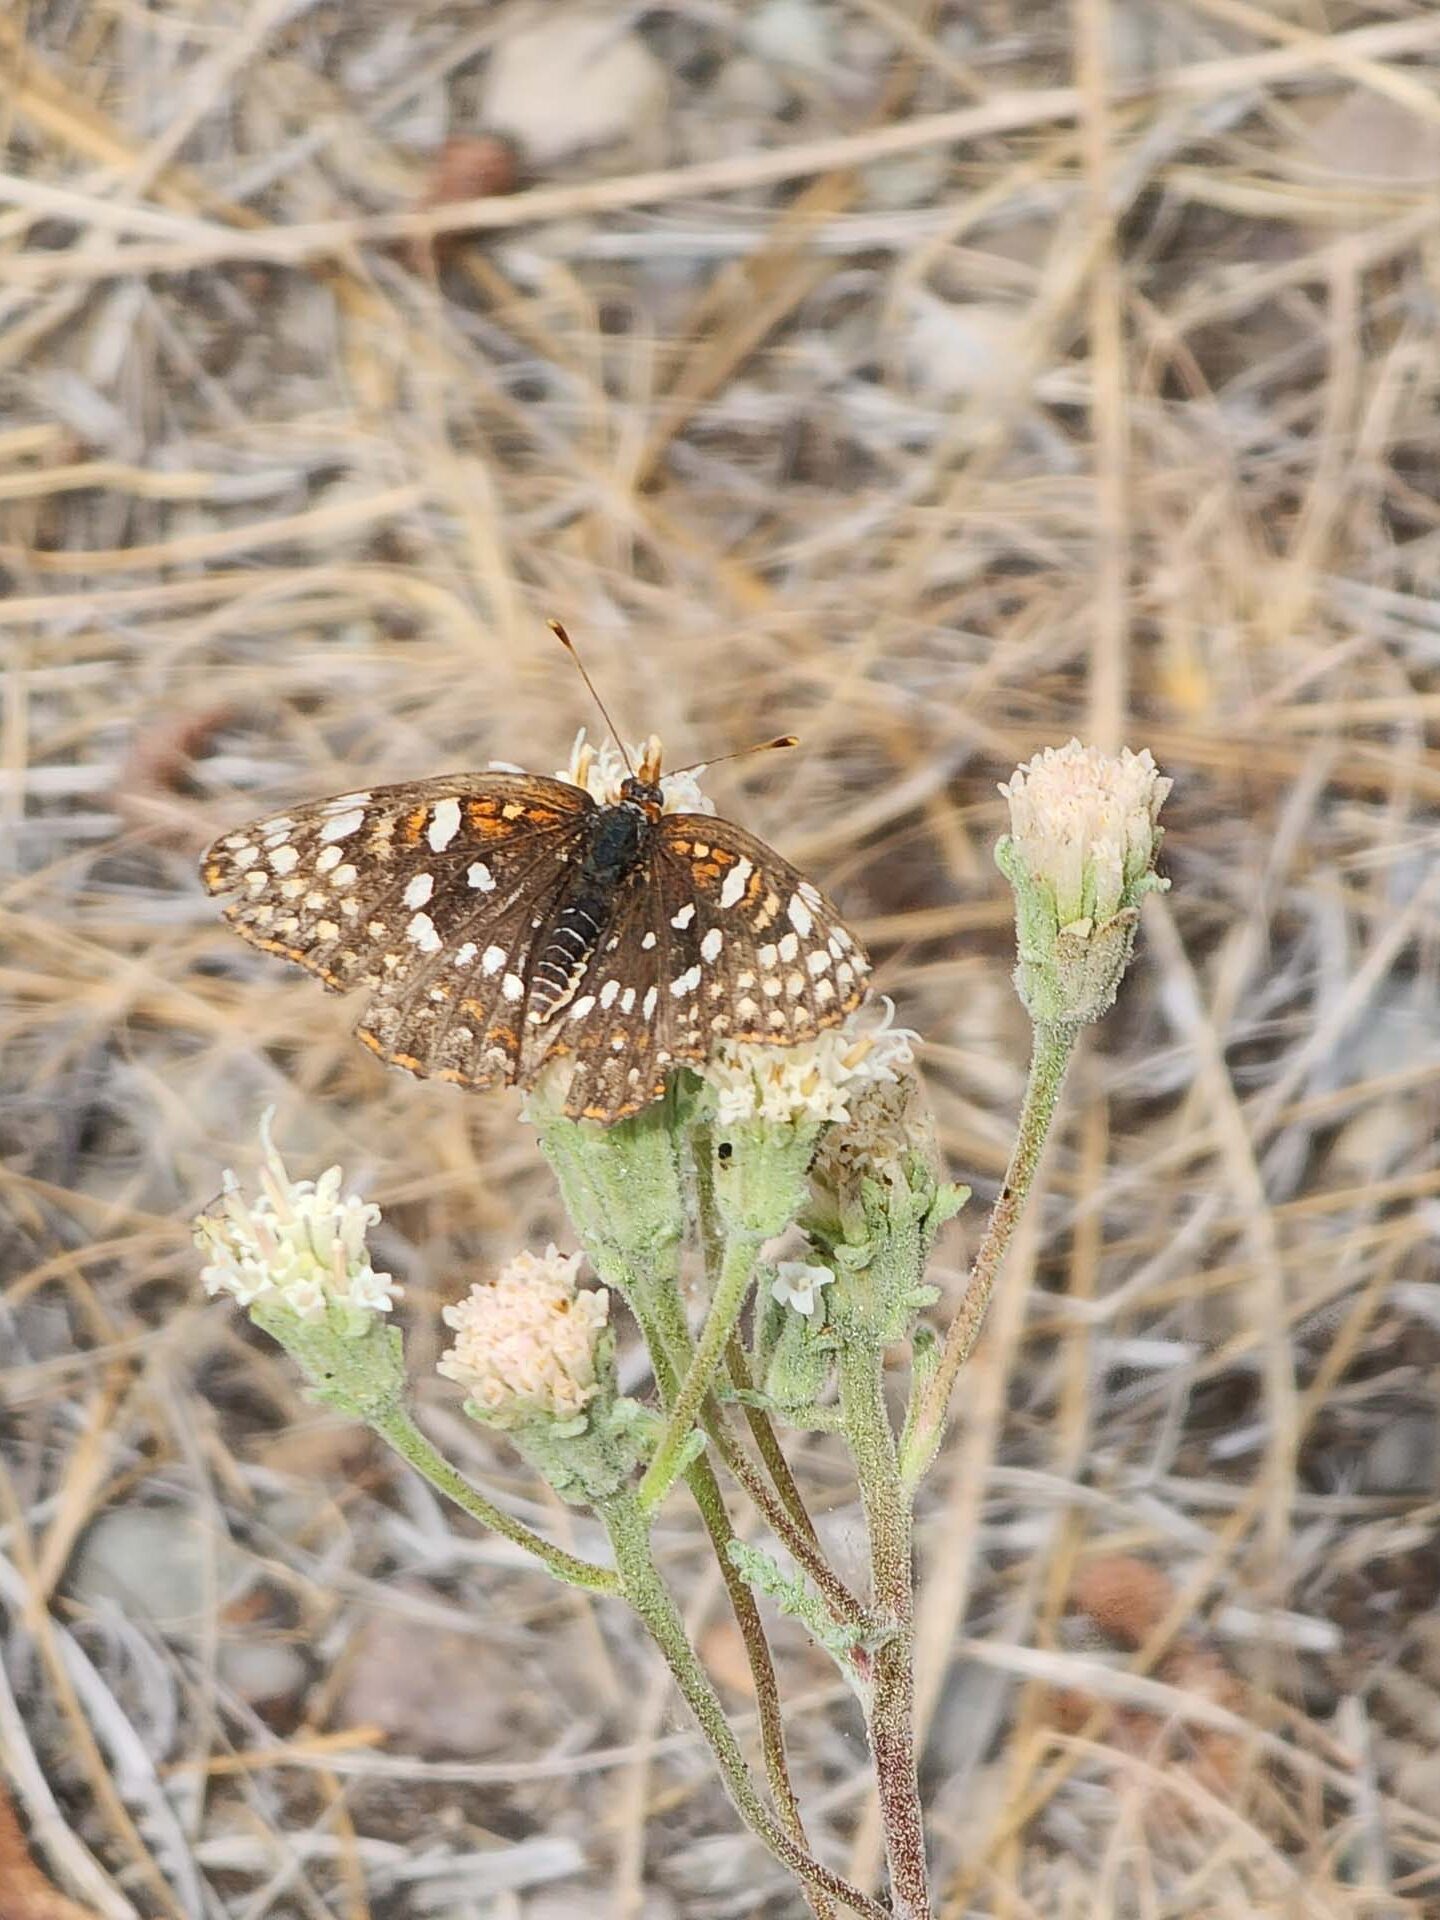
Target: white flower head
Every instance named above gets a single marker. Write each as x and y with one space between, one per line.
526 1341
1085 825
817 1080
602 771
299 1245
797 1284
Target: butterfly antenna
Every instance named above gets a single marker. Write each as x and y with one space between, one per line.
763 746
574 652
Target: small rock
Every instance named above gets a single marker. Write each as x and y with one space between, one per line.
573 80
153 1563
266 1674
792 33
425 1687
958 349
1376 138
750 86
1402 1456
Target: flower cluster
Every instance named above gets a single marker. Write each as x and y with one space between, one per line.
601 771
300 1245
816 1081
526 1341
1085 825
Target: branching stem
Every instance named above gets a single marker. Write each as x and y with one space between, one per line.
732 1283
643 1587
398 1430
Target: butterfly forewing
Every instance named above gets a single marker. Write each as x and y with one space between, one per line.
388 888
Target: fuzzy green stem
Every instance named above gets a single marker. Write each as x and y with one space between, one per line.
398 1430
891 1715
627 1525
705 1491
670 1350
767 1442
737 1267
1050 1056
712 1240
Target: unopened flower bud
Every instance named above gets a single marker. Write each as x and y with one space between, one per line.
526 1341
1080 856
537 1359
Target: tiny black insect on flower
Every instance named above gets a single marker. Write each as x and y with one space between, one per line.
505 920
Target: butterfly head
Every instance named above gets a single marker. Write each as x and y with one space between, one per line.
642 788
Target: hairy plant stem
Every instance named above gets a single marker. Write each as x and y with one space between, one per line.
727 1298
396 1428
628 1526
705 1491
800 1542
712 1241
1051 1051
890 1711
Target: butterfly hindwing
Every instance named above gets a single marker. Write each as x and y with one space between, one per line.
771 960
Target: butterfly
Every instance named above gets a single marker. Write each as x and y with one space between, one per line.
501 921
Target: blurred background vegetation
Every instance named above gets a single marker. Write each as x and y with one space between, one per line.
939 378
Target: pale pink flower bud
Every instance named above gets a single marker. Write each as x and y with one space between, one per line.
526 1341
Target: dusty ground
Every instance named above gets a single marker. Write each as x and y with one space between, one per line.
848 367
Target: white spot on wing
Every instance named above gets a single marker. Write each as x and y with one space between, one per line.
817 962
481 877
582 1006
609 993
327 858
343 825
422 931
687 982
246 857
284 859
789 947
648 942
444 825
800 916
492 960
733 890
684 916
710 946
466 954
650 998
627 1000
419 889
512 986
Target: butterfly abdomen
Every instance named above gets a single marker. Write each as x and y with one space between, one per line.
615 850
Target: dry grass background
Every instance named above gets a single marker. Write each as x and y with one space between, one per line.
936 379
